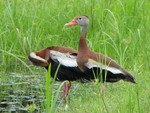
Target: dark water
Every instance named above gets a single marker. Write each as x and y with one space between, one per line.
22 93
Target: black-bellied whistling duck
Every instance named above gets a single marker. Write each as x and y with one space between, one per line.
49 55
96 64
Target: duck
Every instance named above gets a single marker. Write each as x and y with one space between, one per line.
94 64
47 56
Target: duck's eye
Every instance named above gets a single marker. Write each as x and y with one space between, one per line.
79 18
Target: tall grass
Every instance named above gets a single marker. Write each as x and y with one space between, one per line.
119 29
48 91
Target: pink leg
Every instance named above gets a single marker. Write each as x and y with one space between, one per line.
103 88
66 89
69 86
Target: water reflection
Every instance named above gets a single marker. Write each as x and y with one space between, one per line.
22 93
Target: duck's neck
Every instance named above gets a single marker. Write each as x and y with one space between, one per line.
82 41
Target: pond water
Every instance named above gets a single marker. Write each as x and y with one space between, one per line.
22 93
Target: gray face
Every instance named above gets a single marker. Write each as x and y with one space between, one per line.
82 21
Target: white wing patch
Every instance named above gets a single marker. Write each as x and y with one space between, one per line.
64 58
34 56
91 63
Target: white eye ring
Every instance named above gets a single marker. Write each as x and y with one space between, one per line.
79 18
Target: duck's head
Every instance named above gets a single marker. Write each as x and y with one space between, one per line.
81 20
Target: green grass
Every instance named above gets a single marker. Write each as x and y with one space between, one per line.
119 29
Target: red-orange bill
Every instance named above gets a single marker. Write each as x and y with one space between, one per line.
73 22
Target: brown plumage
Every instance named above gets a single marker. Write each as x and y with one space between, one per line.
40 58
43 58
97 64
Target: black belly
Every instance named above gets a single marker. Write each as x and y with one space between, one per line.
62 73
103 75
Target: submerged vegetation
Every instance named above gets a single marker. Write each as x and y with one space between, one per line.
119 29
